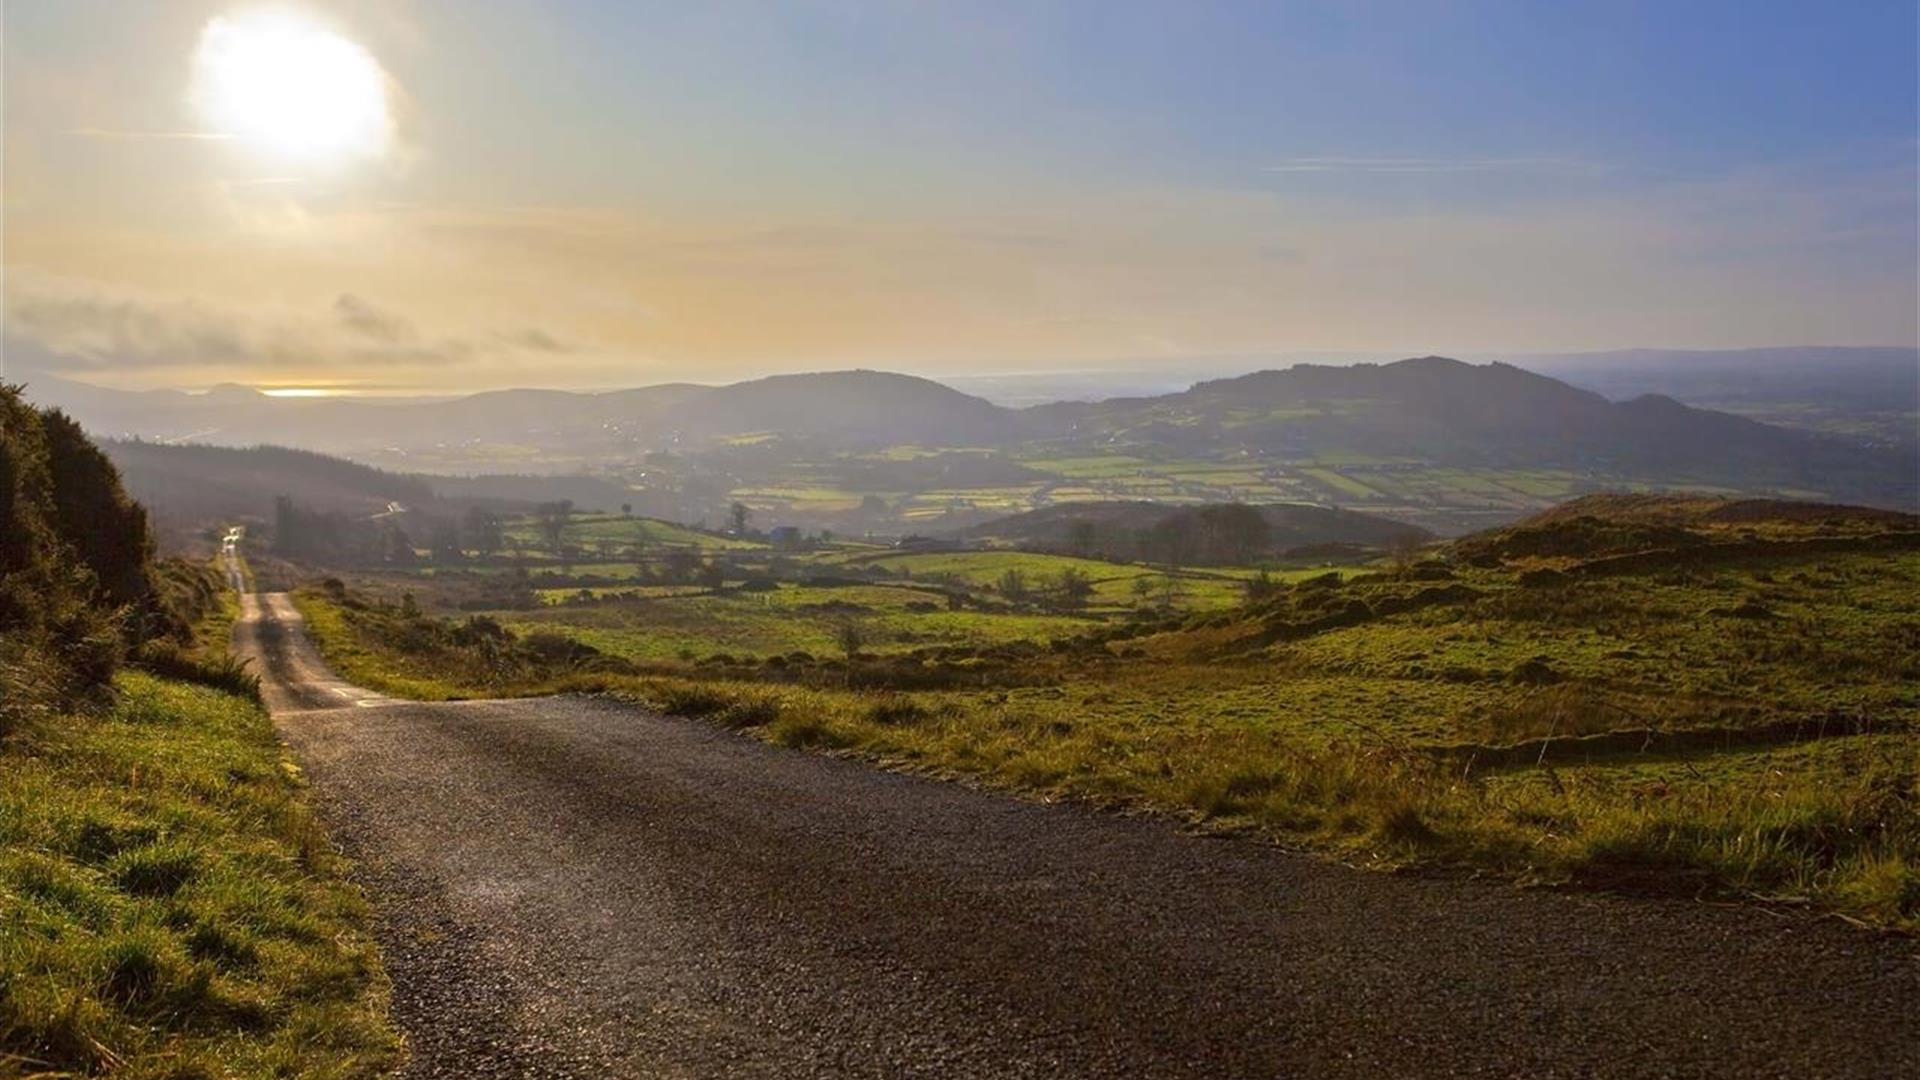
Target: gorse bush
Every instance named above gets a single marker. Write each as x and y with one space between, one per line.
78 582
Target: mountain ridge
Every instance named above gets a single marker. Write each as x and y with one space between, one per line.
1432 410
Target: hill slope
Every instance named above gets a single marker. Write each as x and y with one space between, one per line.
1429 413
195 484
1440 411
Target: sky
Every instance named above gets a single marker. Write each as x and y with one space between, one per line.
433 196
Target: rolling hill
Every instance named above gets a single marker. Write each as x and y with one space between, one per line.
191 487
1435 410
1428 414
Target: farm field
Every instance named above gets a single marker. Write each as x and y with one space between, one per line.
878 492
594 532
785 620
1452 499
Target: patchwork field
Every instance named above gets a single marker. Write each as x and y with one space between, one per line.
784 620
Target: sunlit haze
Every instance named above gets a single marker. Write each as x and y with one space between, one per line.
443 196
291 88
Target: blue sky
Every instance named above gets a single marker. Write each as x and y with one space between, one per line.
689 190
1216 92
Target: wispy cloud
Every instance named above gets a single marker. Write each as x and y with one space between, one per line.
109 133
1420 164
372 321
82 325
537 340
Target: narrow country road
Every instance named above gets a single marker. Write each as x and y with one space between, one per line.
567 887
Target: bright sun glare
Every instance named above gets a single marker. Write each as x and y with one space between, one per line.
289 86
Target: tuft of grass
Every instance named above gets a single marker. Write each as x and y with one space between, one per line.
168 904
219 670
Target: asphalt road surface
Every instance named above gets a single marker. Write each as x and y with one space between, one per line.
569 887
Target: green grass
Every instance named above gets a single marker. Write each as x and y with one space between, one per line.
169 907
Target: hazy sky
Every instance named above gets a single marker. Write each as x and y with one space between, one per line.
451 195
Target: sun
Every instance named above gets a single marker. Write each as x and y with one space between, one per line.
290 87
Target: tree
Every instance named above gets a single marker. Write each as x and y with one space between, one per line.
1081 537
626 509
680 566
483 531
552 518
1174 540
1075 587
445 542
713 575
1260 587
108 531
1142 587
1172 591
739 513
851 637
637 552
399 546
1013 585
1234 533
285 522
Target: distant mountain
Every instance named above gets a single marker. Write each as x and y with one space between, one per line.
1444 412
1430 412
1112 526
846 407
238 416
855 407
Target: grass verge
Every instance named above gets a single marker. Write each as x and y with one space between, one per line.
169 906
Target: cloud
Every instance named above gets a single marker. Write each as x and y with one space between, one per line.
74 325
108 133
537 340
371 321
